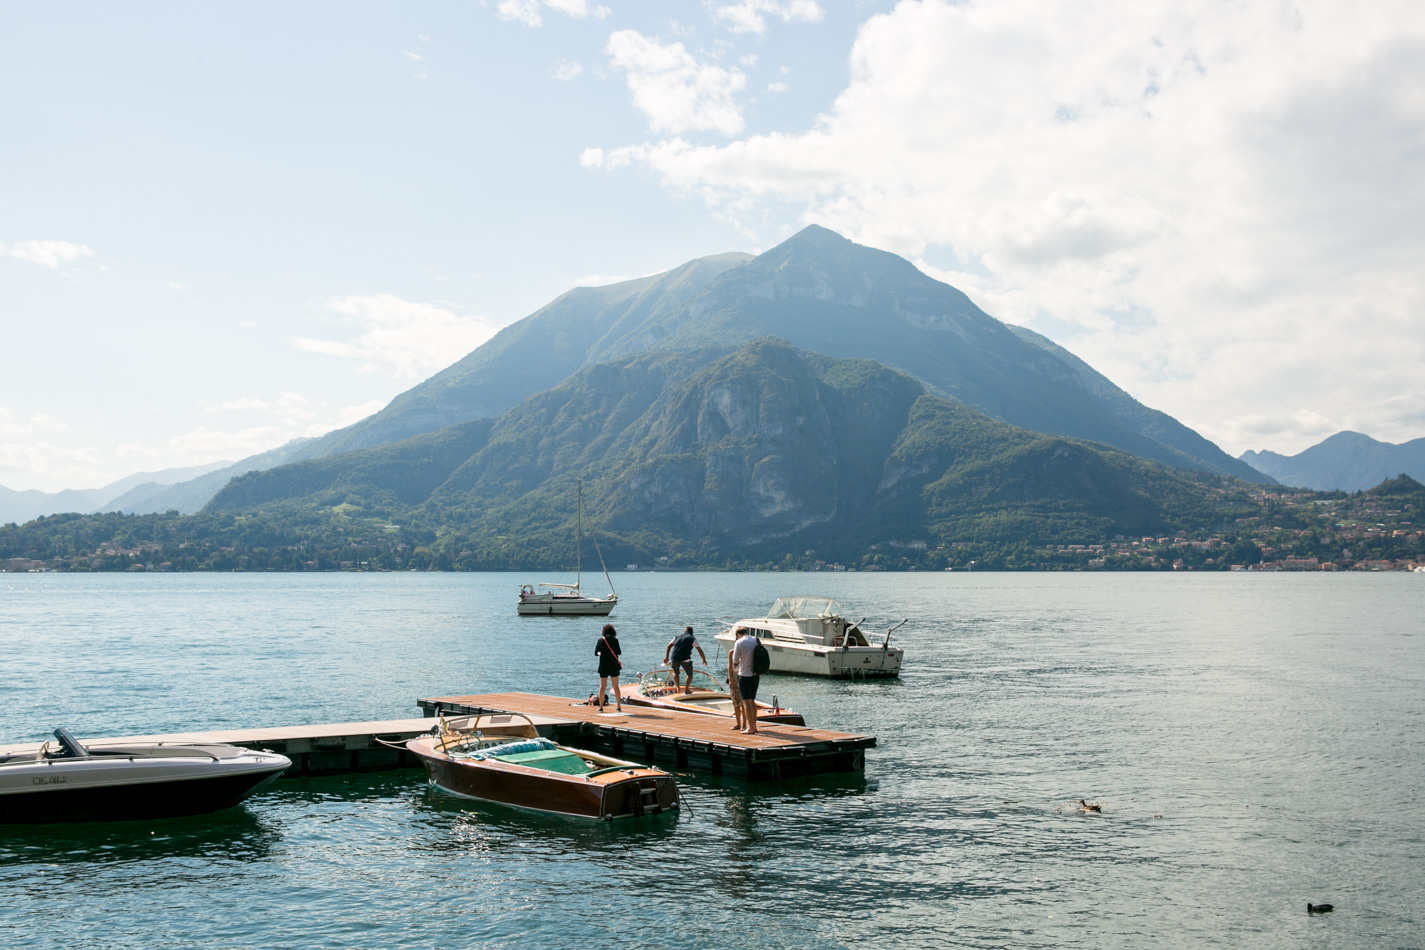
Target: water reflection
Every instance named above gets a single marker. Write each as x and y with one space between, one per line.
234 834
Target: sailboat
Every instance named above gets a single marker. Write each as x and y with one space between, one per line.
568 600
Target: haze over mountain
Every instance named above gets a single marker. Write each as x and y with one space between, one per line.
817 290
21 506
822 293
1346 461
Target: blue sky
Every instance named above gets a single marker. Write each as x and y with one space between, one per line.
222 227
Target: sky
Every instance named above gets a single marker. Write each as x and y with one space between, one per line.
224 226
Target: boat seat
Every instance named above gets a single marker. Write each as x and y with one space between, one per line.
554 760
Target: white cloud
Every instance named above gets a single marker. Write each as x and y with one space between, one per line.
567 70
400 337
135 450
777 87
282 419
747 16
49 254
528 11
13 425
343 418
673 90
1219 205
600 280
204 445
44 463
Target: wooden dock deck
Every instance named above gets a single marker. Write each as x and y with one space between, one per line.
681 740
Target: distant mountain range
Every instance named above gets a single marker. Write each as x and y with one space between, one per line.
132 493
1347 461
819 292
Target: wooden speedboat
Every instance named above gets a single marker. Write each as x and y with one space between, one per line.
512 765
707 696
809 635
69 781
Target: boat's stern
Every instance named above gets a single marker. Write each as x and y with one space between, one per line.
634 793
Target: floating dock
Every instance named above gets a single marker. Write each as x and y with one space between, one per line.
328 749
680 740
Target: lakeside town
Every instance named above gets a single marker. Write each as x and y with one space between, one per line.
1291 530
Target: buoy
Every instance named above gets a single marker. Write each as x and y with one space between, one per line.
1318 908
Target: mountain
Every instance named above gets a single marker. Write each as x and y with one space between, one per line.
1347 461
528 356
757 451
189 496
817 290
822 293
21 506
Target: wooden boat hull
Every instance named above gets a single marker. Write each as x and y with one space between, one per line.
630 792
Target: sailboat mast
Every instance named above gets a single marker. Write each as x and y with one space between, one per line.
579 540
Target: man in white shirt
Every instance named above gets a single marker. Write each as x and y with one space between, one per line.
742 652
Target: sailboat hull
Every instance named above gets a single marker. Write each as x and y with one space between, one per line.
566 605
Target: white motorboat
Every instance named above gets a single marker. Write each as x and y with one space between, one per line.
554 600
809 635
68 781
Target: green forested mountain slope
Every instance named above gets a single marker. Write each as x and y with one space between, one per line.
758 451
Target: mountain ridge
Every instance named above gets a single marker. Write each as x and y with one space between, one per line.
1346 461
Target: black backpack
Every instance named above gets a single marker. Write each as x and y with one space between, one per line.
761 659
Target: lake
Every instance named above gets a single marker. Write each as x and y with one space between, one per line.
1257 741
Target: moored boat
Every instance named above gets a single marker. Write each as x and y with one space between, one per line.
568 600
809 635
69 781
706 696
513 765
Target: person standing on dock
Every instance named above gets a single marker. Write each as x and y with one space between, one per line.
743 652
681 648
732 689
608 650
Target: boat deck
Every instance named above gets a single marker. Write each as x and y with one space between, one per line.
326 749
682 740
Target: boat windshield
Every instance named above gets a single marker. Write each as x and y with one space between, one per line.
659 682
803 608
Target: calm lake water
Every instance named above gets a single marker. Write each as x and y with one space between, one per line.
1257 742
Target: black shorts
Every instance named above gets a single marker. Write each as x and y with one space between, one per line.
747 686
685 665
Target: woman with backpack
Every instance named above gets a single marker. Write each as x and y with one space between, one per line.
608 650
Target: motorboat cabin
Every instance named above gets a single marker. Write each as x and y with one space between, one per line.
811 636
